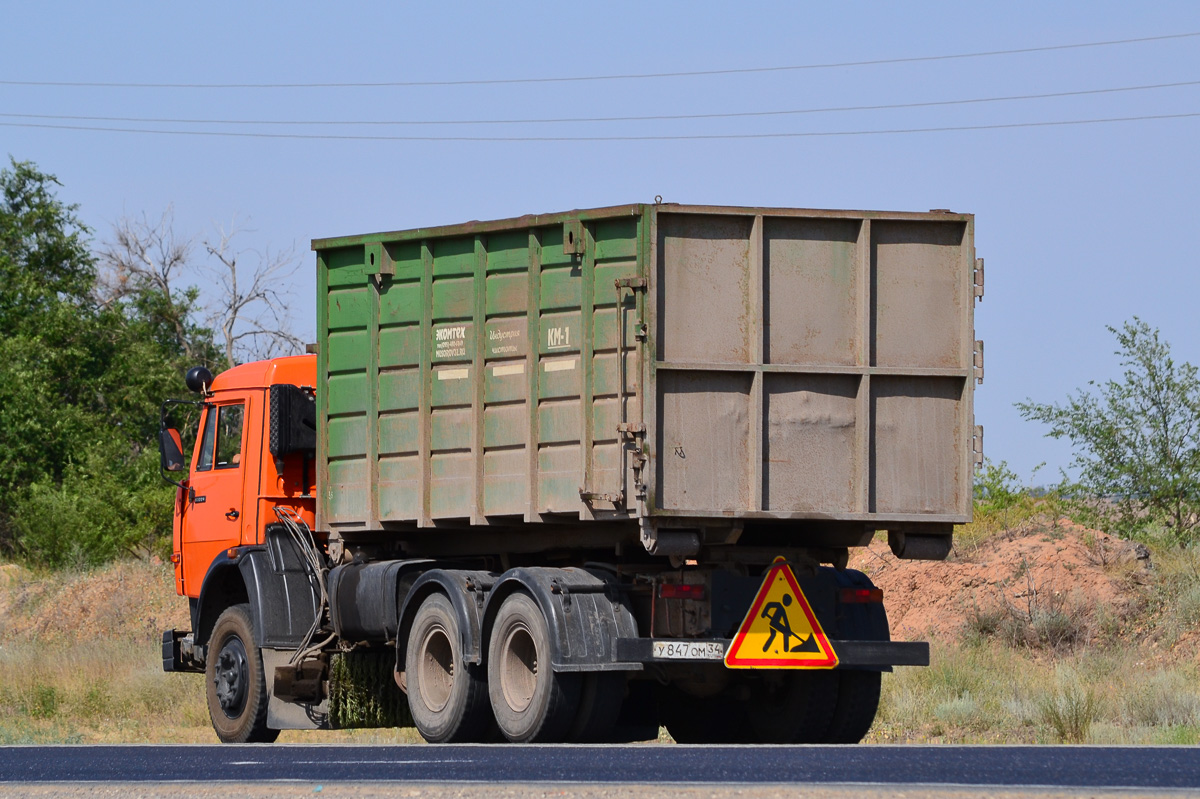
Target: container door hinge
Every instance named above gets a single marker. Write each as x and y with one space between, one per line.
631 282
977 446
631 428
639 463
979 362
378 260
979 279
574 238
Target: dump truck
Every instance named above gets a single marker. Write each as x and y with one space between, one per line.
579 476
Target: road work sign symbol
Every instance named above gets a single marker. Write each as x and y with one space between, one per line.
780 631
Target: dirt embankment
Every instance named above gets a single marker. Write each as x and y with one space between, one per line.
1053 565
1058 566
128 601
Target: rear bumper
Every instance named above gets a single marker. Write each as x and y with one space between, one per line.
851 654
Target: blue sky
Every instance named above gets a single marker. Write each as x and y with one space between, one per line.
1082 226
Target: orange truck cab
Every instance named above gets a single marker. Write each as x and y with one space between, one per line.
234 480
250 478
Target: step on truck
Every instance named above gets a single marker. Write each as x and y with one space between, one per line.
576 476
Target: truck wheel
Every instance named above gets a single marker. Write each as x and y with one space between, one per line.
600 699
237 686
858 691
858 702
532 703
793 707
719 719
446 696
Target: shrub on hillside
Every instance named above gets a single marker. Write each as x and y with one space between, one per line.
1137 440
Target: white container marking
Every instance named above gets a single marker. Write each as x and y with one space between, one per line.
453 374
559 366
508 369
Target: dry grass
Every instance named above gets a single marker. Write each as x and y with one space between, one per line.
79 662
1042 671
98 692
108 693
992 693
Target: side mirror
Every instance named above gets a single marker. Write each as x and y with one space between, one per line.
170 449
170 445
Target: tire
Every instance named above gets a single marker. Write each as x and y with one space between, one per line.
639 719
858 691
858 702
531 703
793 706
447 697
719 719
236 683
600 698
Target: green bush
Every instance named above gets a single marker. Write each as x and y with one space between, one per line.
1136 440
82 374
95 514
43 702
1069 710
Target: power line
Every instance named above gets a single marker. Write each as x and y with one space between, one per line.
686 137
587 78
656 117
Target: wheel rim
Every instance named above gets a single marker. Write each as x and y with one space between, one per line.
232 677
436 669
519 668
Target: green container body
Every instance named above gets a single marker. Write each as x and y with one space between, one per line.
677 364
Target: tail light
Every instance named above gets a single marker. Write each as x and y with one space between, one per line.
680 591
860 596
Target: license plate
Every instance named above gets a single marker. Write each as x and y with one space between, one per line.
689 650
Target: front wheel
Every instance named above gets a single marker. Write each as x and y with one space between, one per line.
236 683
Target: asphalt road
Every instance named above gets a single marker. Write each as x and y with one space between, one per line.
1005 766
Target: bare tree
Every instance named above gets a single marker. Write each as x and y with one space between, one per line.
144 256
245 292
251 313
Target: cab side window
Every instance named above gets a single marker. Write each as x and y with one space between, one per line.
229 436
221 442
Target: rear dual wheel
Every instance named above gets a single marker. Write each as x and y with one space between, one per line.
447 696
718 719
783 707
813 707
531 702
451 701
857 704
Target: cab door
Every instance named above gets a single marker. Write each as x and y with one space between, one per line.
212 521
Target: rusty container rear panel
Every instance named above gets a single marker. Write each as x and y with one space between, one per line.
799 365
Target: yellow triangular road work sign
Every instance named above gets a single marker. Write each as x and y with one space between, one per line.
780 631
